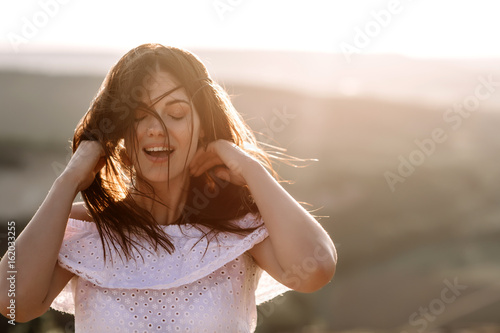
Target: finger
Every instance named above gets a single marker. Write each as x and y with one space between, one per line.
91 149
207 164
201 156
222 173
197 158
90 153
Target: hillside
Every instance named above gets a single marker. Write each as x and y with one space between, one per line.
395 247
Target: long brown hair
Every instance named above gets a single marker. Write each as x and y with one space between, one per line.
211 202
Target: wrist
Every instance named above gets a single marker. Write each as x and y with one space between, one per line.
252 169
67 184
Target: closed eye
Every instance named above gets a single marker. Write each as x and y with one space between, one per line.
177 117
140 118
177 109
141 114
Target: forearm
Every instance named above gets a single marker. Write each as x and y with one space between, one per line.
297 238
37 247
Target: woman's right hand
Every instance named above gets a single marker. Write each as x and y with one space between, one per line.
40 278
85 163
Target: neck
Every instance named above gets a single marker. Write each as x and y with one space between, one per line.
167 201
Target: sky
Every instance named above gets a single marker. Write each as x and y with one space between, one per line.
425 28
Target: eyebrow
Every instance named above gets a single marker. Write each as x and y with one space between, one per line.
165 95
177 100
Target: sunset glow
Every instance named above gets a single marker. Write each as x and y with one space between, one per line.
413 28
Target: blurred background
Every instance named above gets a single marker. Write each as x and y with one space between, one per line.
398 100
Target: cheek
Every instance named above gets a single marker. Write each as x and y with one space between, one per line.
197 130
140 130
192 141
191 133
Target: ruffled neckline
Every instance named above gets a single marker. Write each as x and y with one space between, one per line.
170 229
82 254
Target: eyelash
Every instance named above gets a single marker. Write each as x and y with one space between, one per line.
177 118
173 118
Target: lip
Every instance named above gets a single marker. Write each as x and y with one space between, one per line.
157 159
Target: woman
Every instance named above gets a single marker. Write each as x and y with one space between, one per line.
182 225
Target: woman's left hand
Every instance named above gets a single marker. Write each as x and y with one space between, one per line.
226 158
287 222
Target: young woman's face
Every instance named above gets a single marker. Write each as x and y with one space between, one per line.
158 156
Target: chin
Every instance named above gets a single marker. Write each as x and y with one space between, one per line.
165 178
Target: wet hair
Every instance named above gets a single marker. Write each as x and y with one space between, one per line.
211 203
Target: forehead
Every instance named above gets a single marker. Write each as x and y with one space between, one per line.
159 83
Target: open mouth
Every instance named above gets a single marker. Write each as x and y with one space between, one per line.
159 152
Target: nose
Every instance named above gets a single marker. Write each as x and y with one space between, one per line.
155 128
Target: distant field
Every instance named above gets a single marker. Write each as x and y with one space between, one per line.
395 247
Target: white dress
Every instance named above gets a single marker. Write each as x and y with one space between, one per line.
181 292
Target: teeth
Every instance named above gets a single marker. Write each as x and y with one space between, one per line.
158 149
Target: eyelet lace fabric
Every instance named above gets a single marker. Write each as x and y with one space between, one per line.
189 290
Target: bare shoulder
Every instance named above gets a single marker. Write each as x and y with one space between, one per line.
79 212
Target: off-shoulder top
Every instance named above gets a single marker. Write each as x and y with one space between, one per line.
189 290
